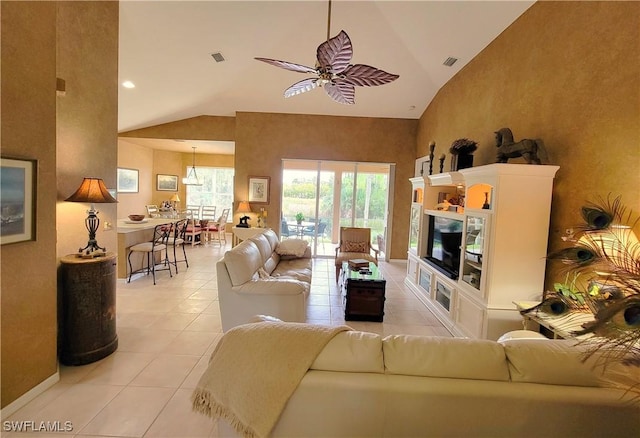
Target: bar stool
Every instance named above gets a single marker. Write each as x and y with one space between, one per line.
178 239
157 245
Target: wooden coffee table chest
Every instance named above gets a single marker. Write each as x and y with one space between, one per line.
363 294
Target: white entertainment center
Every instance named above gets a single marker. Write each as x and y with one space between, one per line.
468 264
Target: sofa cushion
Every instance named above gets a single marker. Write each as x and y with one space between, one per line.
352 351
433 356
272 262
300 269
294 247
272 237
263 245
557 362
242 262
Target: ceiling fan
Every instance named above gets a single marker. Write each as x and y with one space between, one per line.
335 72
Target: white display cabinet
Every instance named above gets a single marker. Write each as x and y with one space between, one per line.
499 248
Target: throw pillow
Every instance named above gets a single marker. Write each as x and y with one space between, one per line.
294 247
355 247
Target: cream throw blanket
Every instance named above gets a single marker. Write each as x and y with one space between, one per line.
254 370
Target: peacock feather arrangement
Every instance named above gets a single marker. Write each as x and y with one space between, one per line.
602 268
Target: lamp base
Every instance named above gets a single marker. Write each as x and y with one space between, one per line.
92 223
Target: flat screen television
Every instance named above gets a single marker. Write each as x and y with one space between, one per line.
444 239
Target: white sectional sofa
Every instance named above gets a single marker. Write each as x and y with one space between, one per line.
263 276
362 385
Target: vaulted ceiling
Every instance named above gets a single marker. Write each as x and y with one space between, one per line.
166 50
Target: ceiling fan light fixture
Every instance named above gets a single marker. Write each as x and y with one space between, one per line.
335 73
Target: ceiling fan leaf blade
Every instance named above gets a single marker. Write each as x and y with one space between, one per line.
292 66
301 87
341 91
367 76
335 54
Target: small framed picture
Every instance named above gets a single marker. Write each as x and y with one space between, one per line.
18 200
167 183
259 189
127 180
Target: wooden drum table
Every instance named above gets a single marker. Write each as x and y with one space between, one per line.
363 293
88 323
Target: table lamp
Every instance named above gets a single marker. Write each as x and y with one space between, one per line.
175 199
243 207
94 191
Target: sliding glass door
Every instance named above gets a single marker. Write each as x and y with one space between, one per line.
329 194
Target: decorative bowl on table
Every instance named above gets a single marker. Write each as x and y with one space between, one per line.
136 217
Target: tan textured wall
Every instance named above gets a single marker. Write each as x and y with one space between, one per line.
263 140
133 156
29 268
87 125
566 72
196 128
76 41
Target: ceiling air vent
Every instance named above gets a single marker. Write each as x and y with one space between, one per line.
450 61
217 56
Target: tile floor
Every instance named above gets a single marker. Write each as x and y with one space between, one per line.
166 334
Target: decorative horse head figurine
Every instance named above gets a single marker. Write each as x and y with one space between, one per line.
527 148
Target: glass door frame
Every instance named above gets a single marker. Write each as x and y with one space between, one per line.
325 166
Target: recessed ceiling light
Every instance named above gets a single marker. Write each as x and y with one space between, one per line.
128 84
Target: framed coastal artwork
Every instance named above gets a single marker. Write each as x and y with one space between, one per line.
18 200
167 183
127 180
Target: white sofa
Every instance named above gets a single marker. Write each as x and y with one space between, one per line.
253 278
411 386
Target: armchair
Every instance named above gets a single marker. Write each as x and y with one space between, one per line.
355 243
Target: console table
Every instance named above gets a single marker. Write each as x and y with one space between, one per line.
240 233
88 323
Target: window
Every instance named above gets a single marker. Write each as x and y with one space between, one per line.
216 188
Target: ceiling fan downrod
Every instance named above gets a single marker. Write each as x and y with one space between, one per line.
329 21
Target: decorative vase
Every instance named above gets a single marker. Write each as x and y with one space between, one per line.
464 161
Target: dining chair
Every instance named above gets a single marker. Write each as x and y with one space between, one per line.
157 245
193 233
208 212
311 231
153 210
178 238
217 230
207 216
196 211
285 232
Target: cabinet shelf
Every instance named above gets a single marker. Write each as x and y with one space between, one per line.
474 265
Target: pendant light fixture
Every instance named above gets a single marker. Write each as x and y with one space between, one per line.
192 176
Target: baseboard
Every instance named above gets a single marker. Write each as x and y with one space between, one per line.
25 398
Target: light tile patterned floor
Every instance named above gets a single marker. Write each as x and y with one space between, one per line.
166 334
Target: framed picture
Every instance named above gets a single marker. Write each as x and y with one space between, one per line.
167 183
127 180
17 200
259 189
